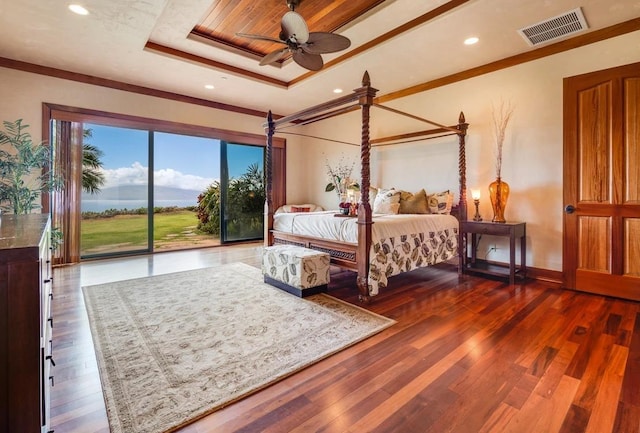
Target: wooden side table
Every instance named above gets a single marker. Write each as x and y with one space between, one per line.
513 230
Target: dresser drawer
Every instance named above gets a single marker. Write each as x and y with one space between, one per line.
26 361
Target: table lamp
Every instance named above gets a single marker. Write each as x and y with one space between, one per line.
475 194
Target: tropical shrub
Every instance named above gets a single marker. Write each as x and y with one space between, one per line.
244 206
208 210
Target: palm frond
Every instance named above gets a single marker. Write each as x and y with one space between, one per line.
24 173
92 176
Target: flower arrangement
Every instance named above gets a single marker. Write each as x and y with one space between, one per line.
340 179
501 116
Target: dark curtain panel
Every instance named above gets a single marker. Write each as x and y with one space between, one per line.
279 175
65 204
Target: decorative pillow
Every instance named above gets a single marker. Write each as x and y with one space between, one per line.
387 209
300 208
441 202
387 201
413 203
288 208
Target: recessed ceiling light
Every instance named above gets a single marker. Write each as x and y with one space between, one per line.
209 86
471 41
337 90
77 9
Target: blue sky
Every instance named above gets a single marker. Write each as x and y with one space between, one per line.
180 161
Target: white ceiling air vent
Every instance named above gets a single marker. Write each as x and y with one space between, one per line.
554 28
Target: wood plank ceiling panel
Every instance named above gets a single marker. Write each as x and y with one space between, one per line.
225 18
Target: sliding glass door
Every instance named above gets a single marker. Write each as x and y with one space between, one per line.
115 200
243 192
148 186
153 185
184 168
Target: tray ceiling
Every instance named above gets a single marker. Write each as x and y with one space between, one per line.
225 18
189 48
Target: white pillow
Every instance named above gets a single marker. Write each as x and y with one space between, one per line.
373 191
387 201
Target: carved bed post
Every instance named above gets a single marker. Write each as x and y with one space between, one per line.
462 166
365 99
268 205
462 205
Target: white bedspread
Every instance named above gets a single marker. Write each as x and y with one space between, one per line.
327 226
400 243
318 224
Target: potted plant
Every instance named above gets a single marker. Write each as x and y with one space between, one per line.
24 173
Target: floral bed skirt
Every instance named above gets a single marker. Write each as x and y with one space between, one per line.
392 256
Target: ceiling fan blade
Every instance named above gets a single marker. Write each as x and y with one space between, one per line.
293 26
274 56
324 42
259 37
313 62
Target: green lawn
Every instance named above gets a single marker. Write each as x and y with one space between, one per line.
129 232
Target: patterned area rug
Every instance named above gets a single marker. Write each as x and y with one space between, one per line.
173 348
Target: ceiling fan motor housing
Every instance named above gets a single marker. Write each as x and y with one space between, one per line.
292 4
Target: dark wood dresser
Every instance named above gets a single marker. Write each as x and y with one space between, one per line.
25 323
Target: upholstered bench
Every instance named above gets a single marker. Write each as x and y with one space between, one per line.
299 271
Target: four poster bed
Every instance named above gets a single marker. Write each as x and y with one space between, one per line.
376 246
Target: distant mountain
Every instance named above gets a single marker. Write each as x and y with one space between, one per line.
139 192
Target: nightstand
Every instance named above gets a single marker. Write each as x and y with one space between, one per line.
512 230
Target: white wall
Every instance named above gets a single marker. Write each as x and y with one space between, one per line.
532 161
23 94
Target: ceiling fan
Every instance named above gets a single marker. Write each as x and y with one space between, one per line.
304 46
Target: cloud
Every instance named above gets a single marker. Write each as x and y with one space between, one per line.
176 179
137 174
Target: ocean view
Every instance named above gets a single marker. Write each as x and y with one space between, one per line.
103 205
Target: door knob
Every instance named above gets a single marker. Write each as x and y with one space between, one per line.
569 209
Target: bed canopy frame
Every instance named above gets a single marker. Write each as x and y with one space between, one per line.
356 257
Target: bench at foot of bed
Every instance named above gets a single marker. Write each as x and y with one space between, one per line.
297 270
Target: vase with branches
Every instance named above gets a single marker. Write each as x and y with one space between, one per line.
499 189
340 180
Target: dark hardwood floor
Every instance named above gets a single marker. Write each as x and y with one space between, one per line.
474 355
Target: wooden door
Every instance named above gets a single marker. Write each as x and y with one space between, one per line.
601 248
